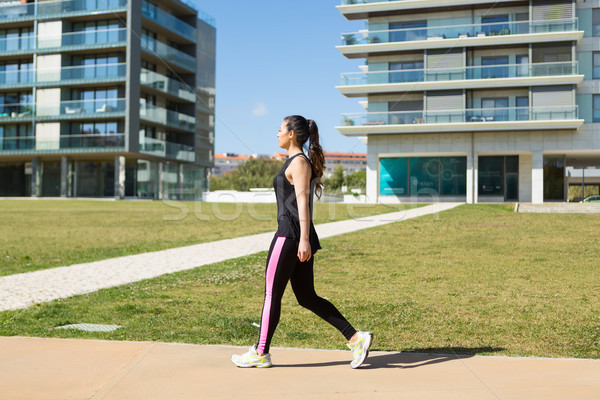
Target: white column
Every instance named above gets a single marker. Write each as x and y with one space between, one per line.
119 177
470 178
537 176
64 174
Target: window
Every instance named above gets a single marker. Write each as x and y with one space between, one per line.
414 73
419 176
16 137
494 26
94 32
495 109
20 71
16 104
522 108
405 112
499 176
95 100
148 39
16 39
407 31
523 66
94 128
494 67
95 66
596 107
596 22
596 65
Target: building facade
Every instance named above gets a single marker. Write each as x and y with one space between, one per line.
476 101
106 98
350 162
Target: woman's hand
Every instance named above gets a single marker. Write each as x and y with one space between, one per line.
304 250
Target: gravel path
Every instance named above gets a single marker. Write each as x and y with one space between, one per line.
24 290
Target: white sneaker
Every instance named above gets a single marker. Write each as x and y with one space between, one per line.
251 359
360 349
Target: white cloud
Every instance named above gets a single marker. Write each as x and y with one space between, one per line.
260 109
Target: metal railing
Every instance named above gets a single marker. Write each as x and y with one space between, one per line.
460 73
460 31
499 114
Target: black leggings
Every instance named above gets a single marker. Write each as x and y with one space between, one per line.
283 265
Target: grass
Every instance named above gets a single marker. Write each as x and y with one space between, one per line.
43 234
477 279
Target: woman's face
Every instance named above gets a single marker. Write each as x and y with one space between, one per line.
284 136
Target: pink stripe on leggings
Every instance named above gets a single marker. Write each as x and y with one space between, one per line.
271 270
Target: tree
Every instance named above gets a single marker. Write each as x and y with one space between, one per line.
357 180
253 173
335 182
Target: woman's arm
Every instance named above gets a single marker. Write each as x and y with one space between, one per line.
300 173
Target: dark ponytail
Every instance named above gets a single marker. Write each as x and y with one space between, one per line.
307 130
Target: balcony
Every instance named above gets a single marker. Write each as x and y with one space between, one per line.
167 85
17 78
361 44
168 21
81 109
464 120
17 44
168 53
162 148
62 144
84 40
166 117
66 75
509 75
363 9
58 9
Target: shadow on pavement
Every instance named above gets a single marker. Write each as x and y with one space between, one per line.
413 359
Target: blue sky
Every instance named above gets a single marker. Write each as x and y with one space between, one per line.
276 58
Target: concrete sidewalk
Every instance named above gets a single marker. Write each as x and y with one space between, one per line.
57 369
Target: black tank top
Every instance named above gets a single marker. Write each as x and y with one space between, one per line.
288 222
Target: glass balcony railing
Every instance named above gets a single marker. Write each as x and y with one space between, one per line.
84 38
83 72
57 8
457 116
460 31
167 117
18 110
92 72
452 74
24 144
74 108
167 85
17 77
168 21
17 43
163 148
168 53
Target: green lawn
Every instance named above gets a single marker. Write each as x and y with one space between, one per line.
476 279
39 234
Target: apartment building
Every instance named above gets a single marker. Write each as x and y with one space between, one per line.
106 98
476 101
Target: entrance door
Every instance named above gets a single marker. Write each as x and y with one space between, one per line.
554 178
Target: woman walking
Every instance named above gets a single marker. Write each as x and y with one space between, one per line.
291 253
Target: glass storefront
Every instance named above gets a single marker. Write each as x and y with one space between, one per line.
554 178
498 176
418 176
94 178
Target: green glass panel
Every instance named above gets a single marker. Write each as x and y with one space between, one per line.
424 176
453 176
393 176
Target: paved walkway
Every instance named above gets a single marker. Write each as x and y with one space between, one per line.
56 369
24 290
